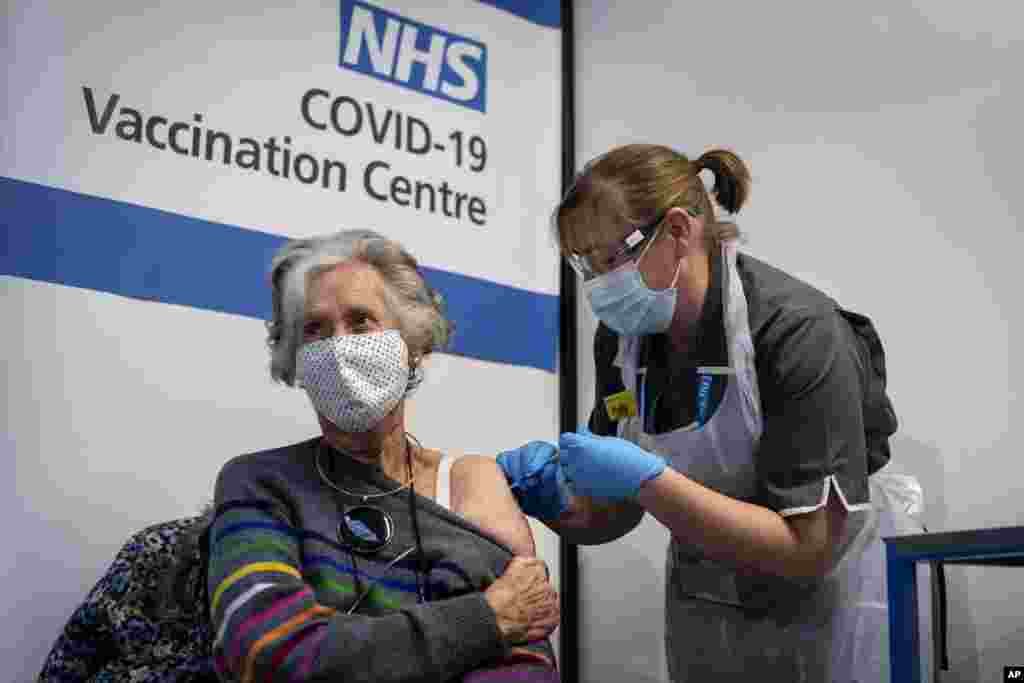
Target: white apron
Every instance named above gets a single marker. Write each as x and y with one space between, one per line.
724 627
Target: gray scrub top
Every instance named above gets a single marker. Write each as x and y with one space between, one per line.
821 375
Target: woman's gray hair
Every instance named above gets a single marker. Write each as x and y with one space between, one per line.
418 308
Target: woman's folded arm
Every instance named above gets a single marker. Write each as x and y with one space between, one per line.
269 625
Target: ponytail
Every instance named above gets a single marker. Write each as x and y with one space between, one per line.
732 179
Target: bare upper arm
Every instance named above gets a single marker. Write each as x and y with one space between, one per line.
480 493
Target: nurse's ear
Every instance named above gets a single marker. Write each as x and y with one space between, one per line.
686 226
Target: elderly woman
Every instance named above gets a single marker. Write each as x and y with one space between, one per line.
361 555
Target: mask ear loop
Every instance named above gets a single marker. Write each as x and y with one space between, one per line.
415 375
675 278
693 211
679 266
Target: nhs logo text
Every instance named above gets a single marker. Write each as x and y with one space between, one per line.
431 60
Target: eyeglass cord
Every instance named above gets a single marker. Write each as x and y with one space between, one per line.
369 589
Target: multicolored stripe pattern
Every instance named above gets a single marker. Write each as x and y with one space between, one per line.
271 598
274 589
265 616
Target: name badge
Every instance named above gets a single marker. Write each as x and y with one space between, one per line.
620 405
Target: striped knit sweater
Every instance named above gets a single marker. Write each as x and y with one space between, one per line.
279 583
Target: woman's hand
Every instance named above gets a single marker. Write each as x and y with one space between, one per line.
606 467
535 479
524 601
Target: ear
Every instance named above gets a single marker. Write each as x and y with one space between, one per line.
684 226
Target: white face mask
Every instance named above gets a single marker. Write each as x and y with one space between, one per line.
354 380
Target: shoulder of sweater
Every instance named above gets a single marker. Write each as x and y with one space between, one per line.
284 463
272 457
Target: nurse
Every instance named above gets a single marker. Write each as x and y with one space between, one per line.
742 408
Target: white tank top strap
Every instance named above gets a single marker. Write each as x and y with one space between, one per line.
443 495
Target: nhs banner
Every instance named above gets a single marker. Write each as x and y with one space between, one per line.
150 165
428 59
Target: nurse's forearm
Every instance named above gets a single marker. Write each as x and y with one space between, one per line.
743 534
588 522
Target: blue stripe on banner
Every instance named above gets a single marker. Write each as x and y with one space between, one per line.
543 12
79 240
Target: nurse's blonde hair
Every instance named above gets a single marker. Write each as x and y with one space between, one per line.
634 184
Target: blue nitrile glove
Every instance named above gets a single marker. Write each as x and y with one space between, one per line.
536 479
606 466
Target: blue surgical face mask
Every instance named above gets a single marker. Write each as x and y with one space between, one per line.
623 301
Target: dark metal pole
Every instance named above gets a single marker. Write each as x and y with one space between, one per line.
568 555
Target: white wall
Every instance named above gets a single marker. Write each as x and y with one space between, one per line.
884 142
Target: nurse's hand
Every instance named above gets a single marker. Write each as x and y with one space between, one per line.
536 480
606 466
